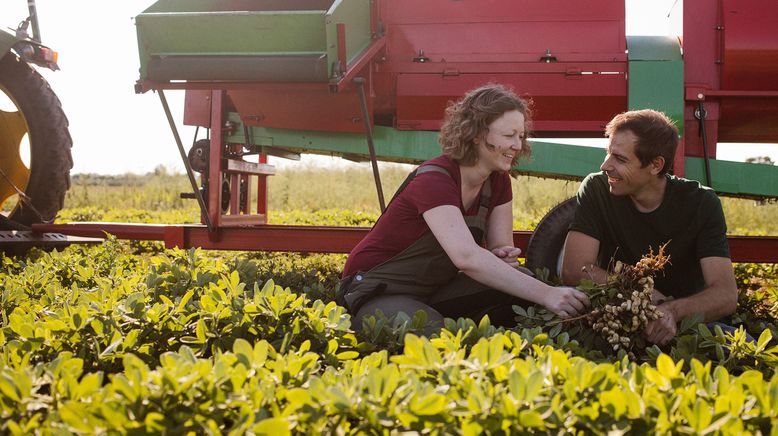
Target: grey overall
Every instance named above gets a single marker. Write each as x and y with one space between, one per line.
422 277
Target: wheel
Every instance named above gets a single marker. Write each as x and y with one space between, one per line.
544 249
31 123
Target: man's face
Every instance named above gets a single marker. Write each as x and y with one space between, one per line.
626 175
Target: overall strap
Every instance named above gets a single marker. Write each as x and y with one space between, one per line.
478 221
414 173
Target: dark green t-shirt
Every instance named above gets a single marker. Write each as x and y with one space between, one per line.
690 217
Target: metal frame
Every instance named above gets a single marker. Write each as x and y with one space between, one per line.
417 57
316 239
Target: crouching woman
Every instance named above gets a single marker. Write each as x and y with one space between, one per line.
444 245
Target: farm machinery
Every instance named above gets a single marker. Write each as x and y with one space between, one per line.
35 143
368 80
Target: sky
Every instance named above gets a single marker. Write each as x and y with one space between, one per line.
116 131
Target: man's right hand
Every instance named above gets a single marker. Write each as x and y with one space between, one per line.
566 302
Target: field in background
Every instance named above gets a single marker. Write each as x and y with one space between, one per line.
295 194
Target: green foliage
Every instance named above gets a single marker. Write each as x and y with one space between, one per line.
130 338
100 339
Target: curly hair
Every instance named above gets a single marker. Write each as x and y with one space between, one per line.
470 117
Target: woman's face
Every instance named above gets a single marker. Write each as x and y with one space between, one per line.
498 149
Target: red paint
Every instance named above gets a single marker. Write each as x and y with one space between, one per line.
317 239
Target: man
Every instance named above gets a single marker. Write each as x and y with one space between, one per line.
634 205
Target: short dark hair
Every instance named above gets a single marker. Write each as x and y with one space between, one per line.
470 117
656 133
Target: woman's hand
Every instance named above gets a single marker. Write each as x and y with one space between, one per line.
566 302
508 255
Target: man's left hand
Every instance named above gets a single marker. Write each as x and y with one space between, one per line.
508 254
663 330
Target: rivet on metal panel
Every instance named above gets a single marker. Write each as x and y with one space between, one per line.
420 58
548 57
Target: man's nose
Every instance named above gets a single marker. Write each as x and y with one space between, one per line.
606 166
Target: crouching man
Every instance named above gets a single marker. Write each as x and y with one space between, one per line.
634 205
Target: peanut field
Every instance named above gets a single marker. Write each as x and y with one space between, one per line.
127 337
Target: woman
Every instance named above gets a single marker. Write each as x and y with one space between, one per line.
426 252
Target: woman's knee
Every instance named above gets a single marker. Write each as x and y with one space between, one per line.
392 305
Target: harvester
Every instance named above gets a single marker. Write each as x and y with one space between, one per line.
369 80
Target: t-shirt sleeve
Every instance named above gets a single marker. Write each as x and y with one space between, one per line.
431 189
712 239
588 218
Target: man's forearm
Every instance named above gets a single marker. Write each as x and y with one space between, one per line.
712 303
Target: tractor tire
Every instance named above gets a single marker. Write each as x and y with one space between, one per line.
49 142
545 244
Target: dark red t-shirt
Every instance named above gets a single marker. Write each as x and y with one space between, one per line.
402 223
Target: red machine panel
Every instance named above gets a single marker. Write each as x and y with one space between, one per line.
750 67
555 51
562 104
731 59
299 106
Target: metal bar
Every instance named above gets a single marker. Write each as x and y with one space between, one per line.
757 249
323 239
140 232
184 158
262 188
245 183
36 31
360 81
363 59
701 108
735 93
341 33
243 167
214 158
234 194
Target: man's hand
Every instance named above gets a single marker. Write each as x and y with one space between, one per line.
657 297
663 330
566 302
508 254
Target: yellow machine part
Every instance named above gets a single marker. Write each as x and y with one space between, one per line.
13 127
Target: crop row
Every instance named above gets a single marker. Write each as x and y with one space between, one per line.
100 339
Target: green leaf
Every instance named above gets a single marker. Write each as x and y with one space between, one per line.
428 405
763 340
702 416
531 419
9 388
616 400
347 355
155 422
89 384
272 427
74 415
667 367
200 330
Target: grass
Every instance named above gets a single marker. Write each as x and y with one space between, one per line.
297 193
